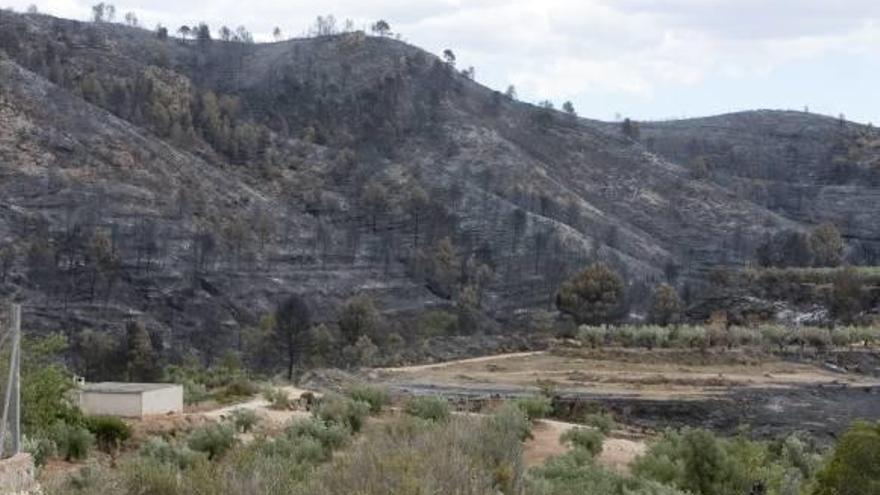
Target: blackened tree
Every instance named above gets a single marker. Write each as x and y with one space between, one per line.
292 322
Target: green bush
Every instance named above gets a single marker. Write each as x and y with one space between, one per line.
213 439
307 441
651 336
511 419
698 462
854 466
194 393
428 407
377 397
688 337
160 450
277 398
109 431
41 449
867 335
603 422
843 336
624 336
575 474
73 441
331 436
594 336
343 411
744 336
437 322
777 336
244 420
588 440
819 338
535 407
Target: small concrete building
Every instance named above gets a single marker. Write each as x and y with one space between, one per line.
130 400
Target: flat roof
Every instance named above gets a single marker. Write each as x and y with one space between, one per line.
125 388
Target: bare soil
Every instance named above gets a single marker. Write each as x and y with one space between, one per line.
617 452
720 389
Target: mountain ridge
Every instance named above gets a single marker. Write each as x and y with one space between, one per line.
339 165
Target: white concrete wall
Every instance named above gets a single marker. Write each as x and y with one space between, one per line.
109 404
163 401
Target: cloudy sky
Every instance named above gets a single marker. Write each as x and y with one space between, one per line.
648 59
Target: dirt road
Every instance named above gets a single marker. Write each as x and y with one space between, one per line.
460 362
717 389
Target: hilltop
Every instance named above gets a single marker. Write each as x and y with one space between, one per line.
195 184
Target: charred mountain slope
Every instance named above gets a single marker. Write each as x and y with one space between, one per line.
198 182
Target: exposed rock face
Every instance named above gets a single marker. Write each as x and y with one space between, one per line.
197 183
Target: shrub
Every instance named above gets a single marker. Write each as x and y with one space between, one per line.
160 450
428 407
588 440
700 463
603 422
109 431
843 336
575 474
465 455
193 392
819 338
512 420
376 397
744 336
853 468
624 336
693 461
688 336
277 398
867 335
342 411
594 336
214 439
41 449
73 441
244 420
236 389
150 477
651 336
776 335
535 407
301 451
437 322
331 436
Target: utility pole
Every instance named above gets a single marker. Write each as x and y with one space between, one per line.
12 400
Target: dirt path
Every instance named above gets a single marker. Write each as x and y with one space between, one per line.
617 453
445 364
262 407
